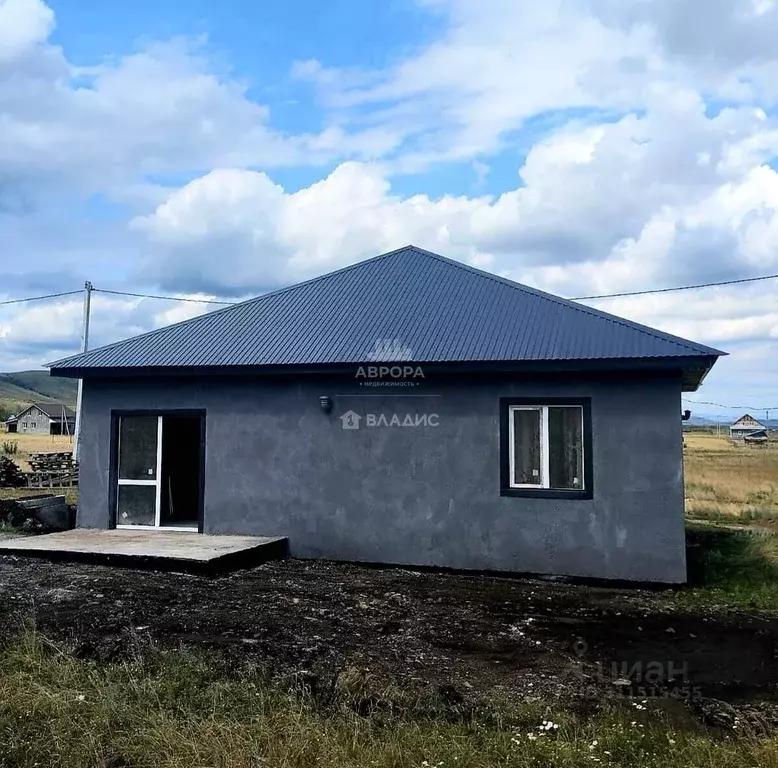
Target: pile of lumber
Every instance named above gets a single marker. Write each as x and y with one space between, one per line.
52 470
53 463
10 474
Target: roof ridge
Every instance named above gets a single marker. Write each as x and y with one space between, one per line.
253 299
656 333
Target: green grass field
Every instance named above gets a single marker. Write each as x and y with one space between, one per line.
177 709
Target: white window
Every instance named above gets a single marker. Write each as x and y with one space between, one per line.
546 447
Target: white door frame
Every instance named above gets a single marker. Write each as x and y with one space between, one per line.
157 483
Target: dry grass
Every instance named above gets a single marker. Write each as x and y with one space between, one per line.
28 444
728 481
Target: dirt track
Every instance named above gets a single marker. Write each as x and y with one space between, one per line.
467 635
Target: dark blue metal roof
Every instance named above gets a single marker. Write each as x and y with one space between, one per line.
409 304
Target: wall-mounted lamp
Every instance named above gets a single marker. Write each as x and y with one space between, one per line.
686 416
326 403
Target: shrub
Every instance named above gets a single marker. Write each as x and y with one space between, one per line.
10 474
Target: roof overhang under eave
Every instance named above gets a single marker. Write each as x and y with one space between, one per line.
692 370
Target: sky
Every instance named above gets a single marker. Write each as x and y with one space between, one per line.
219 151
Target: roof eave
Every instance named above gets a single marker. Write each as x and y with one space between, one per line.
693 369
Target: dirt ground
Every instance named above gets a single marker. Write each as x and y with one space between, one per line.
466 635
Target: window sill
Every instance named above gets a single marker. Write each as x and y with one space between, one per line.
545 493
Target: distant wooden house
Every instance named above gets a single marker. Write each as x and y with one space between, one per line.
43 419
748 427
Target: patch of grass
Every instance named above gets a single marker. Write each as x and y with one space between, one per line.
176 709
759 497
7 531
747 517
731 568
10 447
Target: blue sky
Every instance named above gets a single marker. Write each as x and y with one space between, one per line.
223 150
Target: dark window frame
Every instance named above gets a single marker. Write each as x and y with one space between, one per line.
546 493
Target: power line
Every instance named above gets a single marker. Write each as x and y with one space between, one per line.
230 303
39 298
577 298
734 407
163 298
116 293
679 288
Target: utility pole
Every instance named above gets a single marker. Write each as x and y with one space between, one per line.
84 347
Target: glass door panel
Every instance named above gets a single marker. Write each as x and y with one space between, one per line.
138 447
139 459
136 505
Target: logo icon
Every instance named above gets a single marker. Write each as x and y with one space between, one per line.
390 350
350 420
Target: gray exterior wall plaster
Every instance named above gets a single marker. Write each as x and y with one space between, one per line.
276 464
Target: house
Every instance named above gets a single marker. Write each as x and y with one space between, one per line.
43 419
746 426
408 409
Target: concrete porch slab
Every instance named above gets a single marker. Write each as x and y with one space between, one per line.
181 551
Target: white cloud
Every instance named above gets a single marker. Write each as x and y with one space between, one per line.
601 208
23 25
500 63
165 109
236 228
34 333
157 111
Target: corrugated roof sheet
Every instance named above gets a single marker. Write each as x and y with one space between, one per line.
409 304
52 410
56 410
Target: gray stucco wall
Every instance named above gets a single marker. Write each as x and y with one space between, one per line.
277 465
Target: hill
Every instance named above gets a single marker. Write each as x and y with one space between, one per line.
24 387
